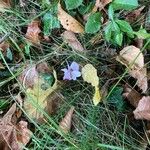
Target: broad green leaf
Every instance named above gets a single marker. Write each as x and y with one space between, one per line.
125 27
111 12
73 4
50 22
116 98
108 31
118 38
142 34
93 23
125 4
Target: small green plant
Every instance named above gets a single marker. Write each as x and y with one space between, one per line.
93 23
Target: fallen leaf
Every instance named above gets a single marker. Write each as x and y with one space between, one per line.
133 15
23 133
33 31
68 22
89 74
39 84
100 4
9 132
141 76
65 124
132 95
143 109
133 59
72 41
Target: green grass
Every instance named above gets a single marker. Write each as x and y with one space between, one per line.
93 127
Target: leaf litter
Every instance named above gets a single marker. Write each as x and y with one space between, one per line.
45 85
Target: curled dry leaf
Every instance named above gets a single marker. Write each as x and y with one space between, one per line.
9 132
68 22
33 31
72 41
40 83
89 74
65 124
133 59
143 109
132 95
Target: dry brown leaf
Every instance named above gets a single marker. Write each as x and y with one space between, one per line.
133 15
100 4
132 95
141 76
143 109
68 22
8 132
131 55
23 133
65 124
33 31
133 59
72 41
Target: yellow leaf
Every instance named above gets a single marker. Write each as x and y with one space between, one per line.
97 96
68 22
89 74
36 97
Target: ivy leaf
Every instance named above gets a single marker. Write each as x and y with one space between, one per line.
125 4
73 4
93 23
116 98
125 27
50 22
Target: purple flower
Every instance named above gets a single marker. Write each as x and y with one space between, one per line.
72 72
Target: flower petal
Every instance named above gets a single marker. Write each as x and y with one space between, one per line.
74 66
75 74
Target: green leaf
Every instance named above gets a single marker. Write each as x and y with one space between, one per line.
9 54
93 23
108 31
125 27
142 34
73 4
111 12
50 22
125 4
116 98
119 38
